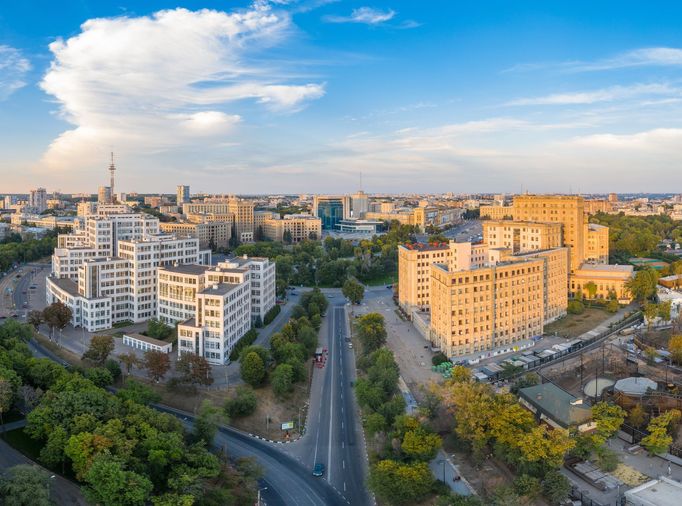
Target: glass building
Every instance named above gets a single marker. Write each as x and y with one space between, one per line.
330 212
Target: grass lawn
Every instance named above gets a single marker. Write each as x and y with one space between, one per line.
62 353
574 325
22 442
388 279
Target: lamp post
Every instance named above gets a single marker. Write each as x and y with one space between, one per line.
49 481
258 503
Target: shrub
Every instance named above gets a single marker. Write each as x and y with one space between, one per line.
576 307
99 376
272 314
243 404
439 358
246 340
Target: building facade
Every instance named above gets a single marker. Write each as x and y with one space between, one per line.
297 227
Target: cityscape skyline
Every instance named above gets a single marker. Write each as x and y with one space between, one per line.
302 97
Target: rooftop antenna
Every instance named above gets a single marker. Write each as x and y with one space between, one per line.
360 180
112 171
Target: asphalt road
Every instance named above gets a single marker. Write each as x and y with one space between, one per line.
333 433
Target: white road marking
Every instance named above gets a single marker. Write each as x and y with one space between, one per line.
331 408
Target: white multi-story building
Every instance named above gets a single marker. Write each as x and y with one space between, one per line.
215 307
106 272
37 200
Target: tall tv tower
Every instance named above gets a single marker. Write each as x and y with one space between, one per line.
112 172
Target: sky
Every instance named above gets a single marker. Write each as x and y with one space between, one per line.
315 96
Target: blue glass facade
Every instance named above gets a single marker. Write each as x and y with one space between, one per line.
330 212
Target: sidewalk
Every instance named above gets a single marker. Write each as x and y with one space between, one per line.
445 470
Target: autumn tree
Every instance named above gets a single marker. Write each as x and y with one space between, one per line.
659 440
400 483
57 316
650 313
101 346
642 285
637 416
591 289
157 364
35 318
608 418
194 369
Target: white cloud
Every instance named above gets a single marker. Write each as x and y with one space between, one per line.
166 81
13 69
609 94
366 15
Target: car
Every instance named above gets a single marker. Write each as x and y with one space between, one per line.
318 470
330 296
350 345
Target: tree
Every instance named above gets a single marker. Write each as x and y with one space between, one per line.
25 485
637 416
252 369
109 483
400 483
282 380
612 306
99 376
286 237
35 318
353 291
419 444
371 331
100 348
114 368
576 307
664 310
129 359
52 454
157 364
206 423
642 285
555 487
57 316
6 397
675 348
591 288
659 440
608 418
158 330
439 358
375 423
243 403
194 369
137 392
650 313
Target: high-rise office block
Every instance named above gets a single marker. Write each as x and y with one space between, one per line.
37 200
182 195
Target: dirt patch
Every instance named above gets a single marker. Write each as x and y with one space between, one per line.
270 412
574 325
656 338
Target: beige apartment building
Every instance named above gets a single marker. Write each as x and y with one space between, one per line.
210 233
496 212
301 227
522 236
609 279
597 246
598 206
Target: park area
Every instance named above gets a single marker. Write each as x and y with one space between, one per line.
575 325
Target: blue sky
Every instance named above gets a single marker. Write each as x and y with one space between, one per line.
303 96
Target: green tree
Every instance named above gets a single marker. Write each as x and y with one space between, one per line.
43 372
252 368
158 330
109 483
282 380
137 392
576 307
591 288
353 291
99 376
25 485
555 487
157 364
371 331
6 397
206 423
650 313
675 348
400 483
243 403
612 306
664 309
52 454
100 348
642 285
375 423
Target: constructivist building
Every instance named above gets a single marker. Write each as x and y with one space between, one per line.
211 234
215 306
106 271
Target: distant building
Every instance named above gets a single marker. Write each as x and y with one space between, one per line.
359 204
104 195
182 195
146 343
298 227
613 198
214 234
37 200
331 209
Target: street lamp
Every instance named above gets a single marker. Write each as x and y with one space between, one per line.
48 485
259 491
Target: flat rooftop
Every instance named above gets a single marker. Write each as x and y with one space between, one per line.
219 289
607 267
194 269
146 339
420 246
557 403
65 284
660 492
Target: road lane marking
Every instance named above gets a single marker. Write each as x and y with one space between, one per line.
331 404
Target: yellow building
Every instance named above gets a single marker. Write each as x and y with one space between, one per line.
597 244
414 273
607 278
497 212
567 210
488 307
598 206
243 215
300 226
521 236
